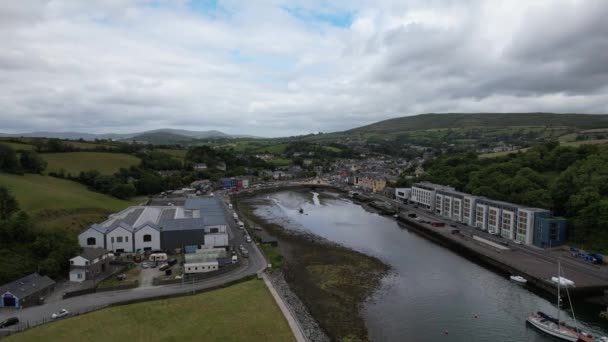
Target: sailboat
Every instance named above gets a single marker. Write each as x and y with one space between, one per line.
553 326
550 325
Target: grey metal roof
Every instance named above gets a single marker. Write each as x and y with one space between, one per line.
182 224
121 224
92 253
202 203
27 285
149 224
132 217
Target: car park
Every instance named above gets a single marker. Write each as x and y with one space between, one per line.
8 322
60 314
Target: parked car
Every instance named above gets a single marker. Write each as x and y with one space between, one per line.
8 322
121 277
248 238
172 262
153 265
230 205
145 265
241 247
164 267
60 314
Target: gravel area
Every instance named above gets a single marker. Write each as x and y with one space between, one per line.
310 327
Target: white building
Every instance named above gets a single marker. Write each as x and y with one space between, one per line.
89 264
204 260
119 238
93 237
403 194
147 238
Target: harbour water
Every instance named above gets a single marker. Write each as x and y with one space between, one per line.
432 294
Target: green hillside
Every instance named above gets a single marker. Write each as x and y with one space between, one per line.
35 193
75 162
483 120
17 146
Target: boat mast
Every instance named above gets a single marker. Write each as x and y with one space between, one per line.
559 282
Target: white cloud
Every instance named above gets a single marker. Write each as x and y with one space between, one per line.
257 68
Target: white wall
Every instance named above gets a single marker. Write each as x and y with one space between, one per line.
91 233
77 275
140 244
221 228
200 267
126 244
403 194
78 261
216 240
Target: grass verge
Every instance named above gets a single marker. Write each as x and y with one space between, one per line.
241 312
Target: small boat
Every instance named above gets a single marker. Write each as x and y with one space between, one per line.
554 326
519 279
301 211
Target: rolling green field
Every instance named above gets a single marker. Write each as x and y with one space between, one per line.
35 193
180 154
75 162
87 145
17 146
241 312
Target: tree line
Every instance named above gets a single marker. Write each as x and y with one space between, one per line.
25 249
570 181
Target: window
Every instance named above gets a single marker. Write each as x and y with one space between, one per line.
126 239
147 238
119 239
71 262
215 230
112 239
91 241
79 275
86 263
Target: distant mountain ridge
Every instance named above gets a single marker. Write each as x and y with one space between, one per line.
470 120
181 135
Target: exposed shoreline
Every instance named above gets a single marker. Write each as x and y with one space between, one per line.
333 282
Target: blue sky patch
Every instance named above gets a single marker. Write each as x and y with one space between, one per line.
335 18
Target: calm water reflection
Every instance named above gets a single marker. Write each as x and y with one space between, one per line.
432 290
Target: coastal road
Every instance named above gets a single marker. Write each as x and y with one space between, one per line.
36 315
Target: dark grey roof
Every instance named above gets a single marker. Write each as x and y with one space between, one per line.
92 253
202 203
182 224
27 285
117 224
167 214
132 217
214 220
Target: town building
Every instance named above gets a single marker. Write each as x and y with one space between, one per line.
89 264
403 194
532 226
167 227
27 291
200 167
203 260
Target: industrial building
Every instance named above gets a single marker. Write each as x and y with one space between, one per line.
532 226
203 260
26 291
199 221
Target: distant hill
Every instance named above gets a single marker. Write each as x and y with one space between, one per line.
483 120
158 136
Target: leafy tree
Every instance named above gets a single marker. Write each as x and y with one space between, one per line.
8 159
32 162
8 204
123 191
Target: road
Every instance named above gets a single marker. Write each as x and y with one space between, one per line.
40 314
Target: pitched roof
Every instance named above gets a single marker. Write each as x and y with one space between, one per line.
27 285
92 253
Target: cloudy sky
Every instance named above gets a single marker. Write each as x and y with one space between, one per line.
284 67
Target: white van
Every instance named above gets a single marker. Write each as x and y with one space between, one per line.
241 225
230 205
158 257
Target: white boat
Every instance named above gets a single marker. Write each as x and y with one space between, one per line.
519 279
554 326
562 281
551 328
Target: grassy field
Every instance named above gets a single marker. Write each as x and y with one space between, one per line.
18 146
501 154
280 162
87 145
35 193
180 154
242 312
585 142
75 162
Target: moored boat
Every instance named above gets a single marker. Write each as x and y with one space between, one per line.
519 279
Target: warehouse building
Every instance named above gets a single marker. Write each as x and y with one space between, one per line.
166 227
532 226
27 291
